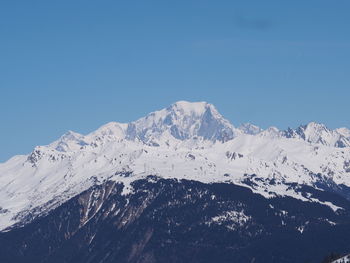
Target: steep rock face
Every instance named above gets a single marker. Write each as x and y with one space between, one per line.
166 220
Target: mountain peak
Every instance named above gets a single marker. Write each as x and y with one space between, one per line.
315 126
70 141
183 120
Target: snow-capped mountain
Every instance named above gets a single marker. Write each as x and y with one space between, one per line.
183 121
184 141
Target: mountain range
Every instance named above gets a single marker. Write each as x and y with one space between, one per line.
183 169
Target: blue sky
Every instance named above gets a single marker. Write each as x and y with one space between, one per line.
75 65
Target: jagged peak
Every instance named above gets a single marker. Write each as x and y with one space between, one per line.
319 133
69 141
315 126
71 135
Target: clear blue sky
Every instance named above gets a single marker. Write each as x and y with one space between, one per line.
75 65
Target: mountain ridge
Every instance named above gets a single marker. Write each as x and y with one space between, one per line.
187 120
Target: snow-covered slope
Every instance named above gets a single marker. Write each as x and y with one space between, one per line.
186 140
